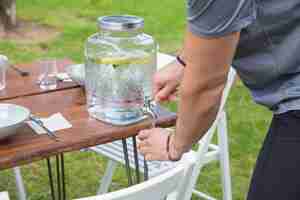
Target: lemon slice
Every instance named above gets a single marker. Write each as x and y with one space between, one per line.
121 61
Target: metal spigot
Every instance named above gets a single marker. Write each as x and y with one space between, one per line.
148 109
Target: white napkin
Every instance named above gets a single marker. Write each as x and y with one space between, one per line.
54 123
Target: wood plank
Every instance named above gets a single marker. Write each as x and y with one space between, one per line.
18 86
49 103
26 147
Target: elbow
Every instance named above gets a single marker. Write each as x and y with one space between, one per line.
207 95
210 91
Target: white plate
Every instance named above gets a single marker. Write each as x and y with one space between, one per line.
76 73
11 118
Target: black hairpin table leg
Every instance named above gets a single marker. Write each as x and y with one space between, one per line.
60 178
127 164
146 171
63 176
136 160
50 178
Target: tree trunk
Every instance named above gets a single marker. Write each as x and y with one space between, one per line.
8 14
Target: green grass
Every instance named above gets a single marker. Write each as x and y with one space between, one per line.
76 20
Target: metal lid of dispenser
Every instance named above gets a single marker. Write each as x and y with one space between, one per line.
120 22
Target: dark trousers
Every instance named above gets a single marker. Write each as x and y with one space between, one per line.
277 172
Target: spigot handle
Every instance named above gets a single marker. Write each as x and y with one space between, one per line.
148 109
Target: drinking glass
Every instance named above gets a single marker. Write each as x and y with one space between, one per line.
2 77
47 79
3 67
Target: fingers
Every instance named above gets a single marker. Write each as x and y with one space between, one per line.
156 88
142 137
144 134
142 144
149 157
164 93
173 97
147 154
145 150
151 143
158 84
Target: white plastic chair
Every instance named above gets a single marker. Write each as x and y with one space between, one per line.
169 185
212 152
4 196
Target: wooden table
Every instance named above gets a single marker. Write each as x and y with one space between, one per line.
69 99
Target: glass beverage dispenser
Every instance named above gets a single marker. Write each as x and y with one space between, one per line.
120 64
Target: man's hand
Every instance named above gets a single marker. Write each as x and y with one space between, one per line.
166 82
153 143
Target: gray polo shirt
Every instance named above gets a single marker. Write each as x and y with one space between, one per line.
268 54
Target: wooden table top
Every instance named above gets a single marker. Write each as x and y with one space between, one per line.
18 86
26 146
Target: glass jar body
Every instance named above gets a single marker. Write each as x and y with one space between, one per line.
119 72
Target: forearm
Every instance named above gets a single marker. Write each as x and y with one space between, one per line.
205 75
197 112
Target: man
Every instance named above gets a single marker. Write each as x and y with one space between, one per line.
261 39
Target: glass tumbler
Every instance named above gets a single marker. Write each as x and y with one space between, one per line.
47 79
3 67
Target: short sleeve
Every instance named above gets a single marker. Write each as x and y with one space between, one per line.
214 18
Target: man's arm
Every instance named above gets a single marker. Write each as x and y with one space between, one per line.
210 43
208 61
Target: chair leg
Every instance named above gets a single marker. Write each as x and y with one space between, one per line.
107 177
20 184
193 177
224 157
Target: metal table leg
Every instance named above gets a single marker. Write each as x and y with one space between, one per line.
146 171
127 165
136 160
60 178
50 178
63 176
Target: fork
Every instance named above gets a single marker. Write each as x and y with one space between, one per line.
20 71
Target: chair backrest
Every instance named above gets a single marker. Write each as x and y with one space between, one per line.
206 140
169 183
164 59
230 80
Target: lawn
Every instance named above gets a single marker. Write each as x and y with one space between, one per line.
164 19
